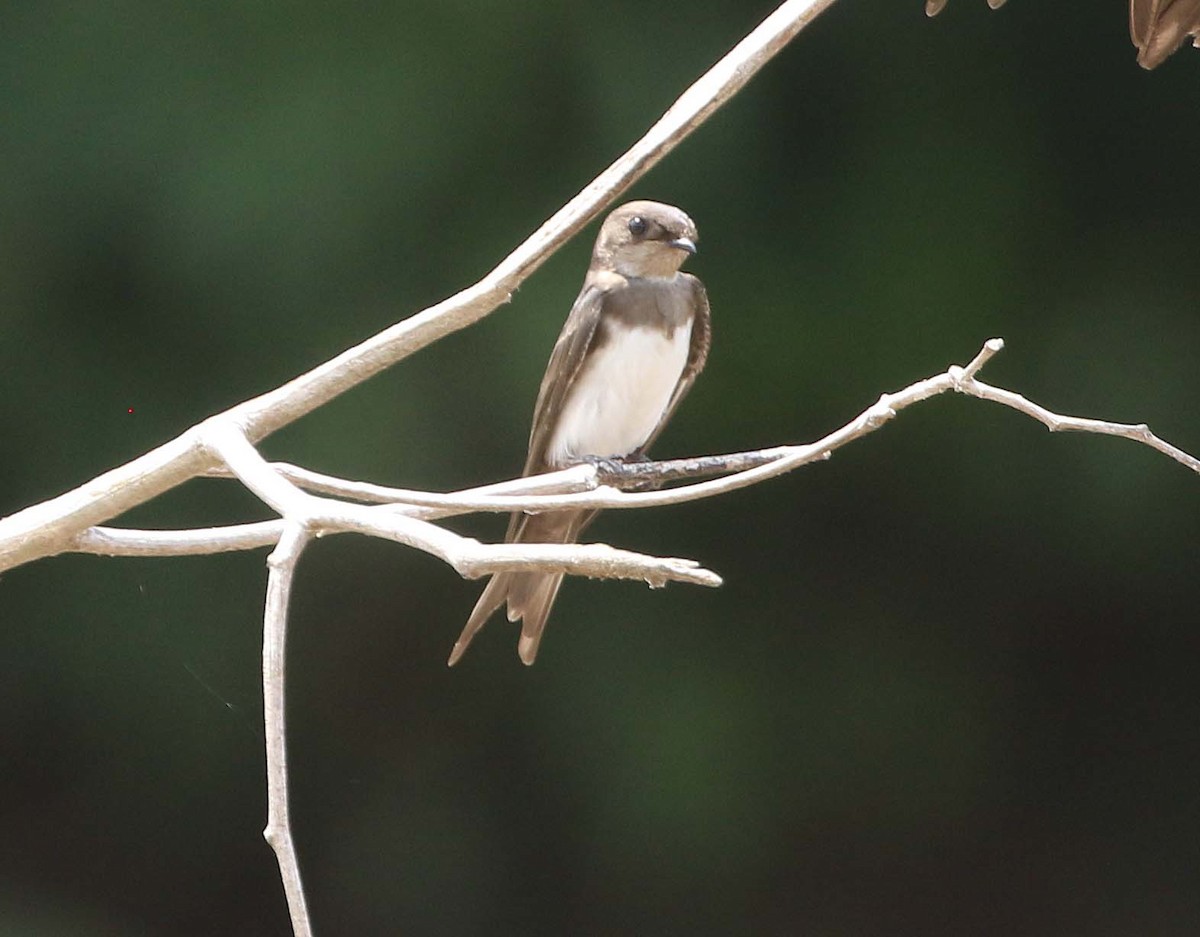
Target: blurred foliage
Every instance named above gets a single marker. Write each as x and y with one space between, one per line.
949 686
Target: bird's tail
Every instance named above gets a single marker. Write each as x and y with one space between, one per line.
529 595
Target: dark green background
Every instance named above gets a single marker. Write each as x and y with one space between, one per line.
950 684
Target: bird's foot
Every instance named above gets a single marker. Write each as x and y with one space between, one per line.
605 465
621 470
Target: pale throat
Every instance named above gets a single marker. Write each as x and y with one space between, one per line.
651 260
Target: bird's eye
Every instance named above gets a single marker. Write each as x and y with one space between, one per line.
637 225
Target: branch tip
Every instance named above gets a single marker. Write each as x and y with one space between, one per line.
991 348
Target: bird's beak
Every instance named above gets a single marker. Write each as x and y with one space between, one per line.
684 244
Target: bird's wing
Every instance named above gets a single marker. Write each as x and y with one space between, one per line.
578 333
1142 14
697 355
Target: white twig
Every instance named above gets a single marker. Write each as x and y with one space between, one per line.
1056 422
467 556
582 486
278 832
575 478
118 541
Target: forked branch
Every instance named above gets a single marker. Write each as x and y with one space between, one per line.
406 516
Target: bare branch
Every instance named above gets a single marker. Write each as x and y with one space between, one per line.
467 556
117 541
50 527
1057 423
575 478
991 348
594 560
598 485
278 832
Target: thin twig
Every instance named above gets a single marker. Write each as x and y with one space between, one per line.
583 486
120 541
575 478
467 556
278 832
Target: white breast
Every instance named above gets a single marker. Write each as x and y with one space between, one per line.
620 395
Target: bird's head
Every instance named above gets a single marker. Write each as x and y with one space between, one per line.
644 239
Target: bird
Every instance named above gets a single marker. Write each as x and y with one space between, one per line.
633 343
